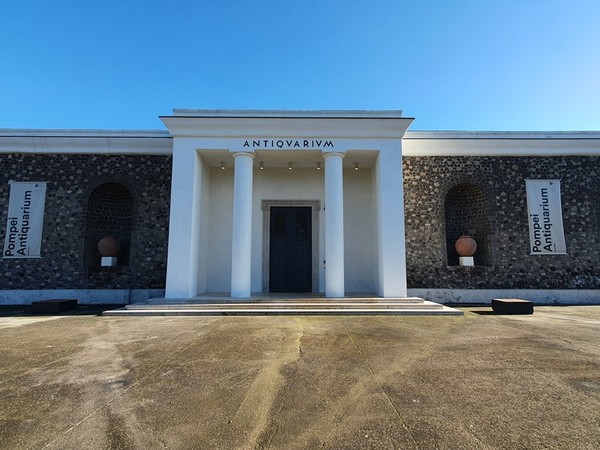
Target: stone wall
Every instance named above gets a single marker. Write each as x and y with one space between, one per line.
71 181
66 264
502 180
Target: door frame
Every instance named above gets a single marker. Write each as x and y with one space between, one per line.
315 206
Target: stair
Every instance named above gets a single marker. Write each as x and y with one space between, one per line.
269 305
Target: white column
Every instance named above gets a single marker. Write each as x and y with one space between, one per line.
184 224
241 253
390 222
334 224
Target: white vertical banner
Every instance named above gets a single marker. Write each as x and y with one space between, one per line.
546 234
25 220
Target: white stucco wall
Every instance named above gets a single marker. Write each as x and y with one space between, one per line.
218 277
204 229
284 184
359 231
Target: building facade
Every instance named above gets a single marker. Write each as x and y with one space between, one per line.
330 203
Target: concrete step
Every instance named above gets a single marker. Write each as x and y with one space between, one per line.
373 306
287 305
204 299
272 311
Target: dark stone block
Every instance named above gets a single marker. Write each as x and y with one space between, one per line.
53 306
512 306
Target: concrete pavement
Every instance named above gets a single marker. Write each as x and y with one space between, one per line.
284 382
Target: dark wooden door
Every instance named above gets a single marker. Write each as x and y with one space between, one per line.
290 258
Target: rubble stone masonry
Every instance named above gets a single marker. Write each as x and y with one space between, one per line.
427 180
71 179
507 263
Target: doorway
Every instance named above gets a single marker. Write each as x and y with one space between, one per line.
290 258
314 206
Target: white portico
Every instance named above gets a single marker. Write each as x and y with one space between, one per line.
286 201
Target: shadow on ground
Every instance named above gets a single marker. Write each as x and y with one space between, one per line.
25 310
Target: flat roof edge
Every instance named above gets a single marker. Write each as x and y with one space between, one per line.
288 114
82 133
515 135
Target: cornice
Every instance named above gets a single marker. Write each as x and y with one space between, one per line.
117 142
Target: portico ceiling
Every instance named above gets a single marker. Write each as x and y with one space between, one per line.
281 158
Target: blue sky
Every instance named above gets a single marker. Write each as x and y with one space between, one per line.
464 65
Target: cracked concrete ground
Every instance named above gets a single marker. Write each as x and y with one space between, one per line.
477 381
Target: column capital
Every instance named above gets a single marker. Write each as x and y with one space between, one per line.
235 153
326 153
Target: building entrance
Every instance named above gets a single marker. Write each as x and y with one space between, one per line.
290 253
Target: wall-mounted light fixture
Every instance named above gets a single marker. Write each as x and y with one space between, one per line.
222 165
290 165
318 166
356 166
261 165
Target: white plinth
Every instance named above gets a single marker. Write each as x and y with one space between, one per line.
466 261
108 261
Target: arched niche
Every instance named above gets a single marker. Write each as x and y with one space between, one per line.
109 213
466 214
